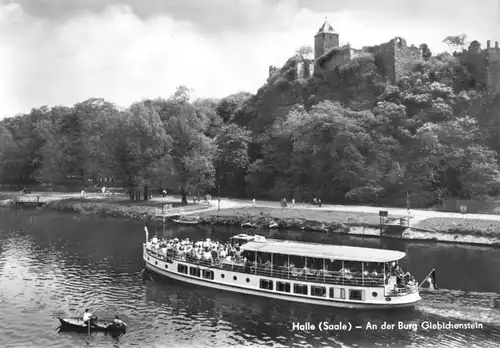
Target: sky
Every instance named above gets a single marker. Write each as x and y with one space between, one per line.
60 52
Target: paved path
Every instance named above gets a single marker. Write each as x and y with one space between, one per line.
227 203
417 215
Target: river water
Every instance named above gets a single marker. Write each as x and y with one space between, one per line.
54 264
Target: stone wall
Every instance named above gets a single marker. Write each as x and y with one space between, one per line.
404 57
272 70
493 68
334 58
304 69
475 60
395 58
493 75
385 59
325 42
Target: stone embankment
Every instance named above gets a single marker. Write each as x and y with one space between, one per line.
265 221
358 221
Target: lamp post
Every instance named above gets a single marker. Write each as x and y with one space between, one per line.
218 183
218 198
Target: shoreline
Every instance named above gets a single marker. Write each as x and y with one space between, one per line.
328 220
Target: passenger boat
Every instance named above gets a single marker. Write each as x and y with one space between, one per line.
77 324
329 275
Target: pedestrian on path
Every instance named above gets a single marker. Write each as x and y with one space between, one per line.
253 202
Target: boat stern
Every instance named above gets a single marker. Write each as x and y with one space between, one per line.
402 297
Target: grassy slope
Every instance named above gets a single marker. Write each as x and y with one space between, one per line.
297 213
462 226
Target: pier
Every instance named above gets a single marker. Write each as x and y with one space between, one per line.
167 212
29 201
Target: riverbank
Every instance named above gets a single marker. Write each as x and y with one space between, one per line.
354 220
449 229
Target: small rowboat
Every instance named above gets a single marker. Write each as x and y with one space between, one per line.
248 225
77 324
187 221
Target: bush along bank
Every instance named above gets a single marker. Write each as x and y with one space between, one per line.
264 221
103 209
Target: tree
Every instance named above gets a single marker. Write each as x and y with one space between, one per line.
141 145
228 106
5 145
305 51
192 151
460 164
456 42
182 95
232 158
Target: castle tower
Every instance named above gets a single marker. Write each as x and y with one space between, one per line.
325 39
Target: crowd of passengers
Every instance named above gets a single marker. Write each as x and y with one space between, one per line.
219 254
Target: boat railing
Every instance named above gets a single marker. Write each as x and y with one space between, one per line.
317 276
402 291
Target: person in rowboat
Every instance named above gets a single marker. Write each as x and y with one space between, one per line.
117 321
88 316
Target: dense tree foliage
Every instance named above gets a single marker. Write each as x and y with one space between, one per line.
344 135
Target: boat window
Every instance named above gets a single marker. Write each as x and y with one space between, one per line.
315 263
266 284
357 295
300 289
282 286
318 291
208 274
297 262
194 271
354 267
182 268
373 268
333 266
338 293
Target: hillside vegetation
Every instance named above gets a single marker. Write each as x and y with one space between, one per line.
344 135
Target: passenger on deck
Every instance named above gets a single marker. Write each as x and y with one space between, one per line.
214 252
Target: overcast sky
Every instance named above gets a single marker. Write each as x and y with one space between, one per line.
59 52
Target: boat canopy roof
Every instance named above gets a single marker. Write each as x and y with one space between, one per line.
324 251
243 236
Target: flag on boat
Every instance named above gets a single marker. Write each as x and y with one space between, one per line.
147 233
431 279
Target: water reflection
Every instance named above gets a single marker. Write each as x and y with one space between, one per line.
58 264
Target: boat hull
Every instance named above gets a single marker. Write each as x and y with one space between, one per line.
185 222
77 324
158 266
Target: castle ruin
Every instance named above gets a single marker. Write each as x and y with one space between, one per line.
394 58
483 65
